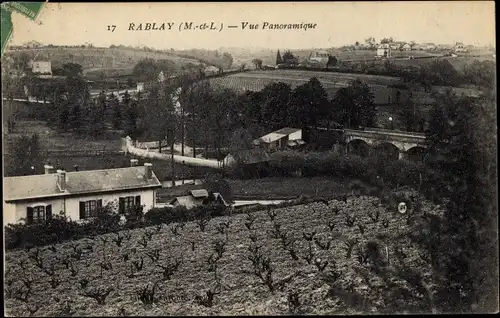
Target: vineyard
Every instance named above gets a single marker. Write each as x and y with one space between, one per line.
344 256
332 82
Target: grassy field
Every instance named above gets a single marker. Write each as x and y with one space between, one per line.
327 276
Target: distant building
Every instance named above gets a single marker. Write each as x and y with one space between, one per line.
384 50
406 47
460 48
78 194
197 198
41 67
428 46
319 56
140 87
280 139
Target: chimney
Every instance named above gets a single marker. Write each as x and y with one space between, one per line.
148 171
48 169
61 180
134 162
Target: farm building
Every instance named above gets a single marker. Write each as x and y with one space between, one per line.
211 70
384 50
78 194
406 47
280 139
319 56
196 198
41 67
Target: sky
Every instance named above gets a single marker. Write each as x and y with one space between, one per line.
337 24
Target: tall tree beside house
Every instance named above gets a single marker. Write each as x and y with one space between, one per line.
275 108
279 60
114 107
357 104
131 115
26 154
309 104
96 116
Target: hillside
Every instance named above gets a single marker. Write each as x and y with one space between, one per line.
95 59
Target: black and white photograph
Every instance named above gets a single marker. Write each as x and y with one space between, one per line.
249 158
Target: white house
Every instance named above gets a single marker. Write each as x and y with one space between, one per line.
319 56
41 67
384 50
78 194
280 139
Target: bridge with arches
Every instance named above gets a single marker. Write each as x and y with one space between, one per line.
391 143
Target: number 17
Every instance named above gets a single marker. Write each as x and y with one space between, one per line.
111 28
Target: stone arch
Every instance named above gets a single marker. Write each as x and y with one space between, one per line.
358 147
386 150
416 153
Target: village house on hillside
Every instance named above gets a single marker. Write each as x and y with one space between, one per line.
280 139
78 194
197 198
384 50
41 67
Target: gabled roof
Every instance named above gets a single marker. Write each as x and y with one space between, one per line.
77 182
278 134
201 193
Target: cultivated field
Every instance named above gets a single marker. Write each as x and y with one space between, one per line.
332 82
329 250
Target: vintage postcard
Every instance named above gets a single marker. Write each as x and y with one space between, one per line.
249 158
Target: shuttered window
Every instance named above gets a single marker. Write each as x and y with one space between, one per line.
88 209
125 203
39 213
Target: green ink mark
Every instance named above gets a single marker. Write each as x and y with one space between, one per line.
6 27
28 9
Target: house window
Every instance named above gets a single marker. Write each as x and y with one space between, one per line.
38 214
89 208
126 203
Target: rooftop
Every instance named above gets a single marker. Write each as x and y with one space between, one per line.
77 182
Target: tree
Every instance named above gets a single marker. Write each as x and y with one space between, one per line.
289 58
279 60
96 115
356 103
114 110
72 69
464 241
371 42
309 104
215 183
228 60
275 107
146 70
240 140
26 153
332 61
257 63
386 40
